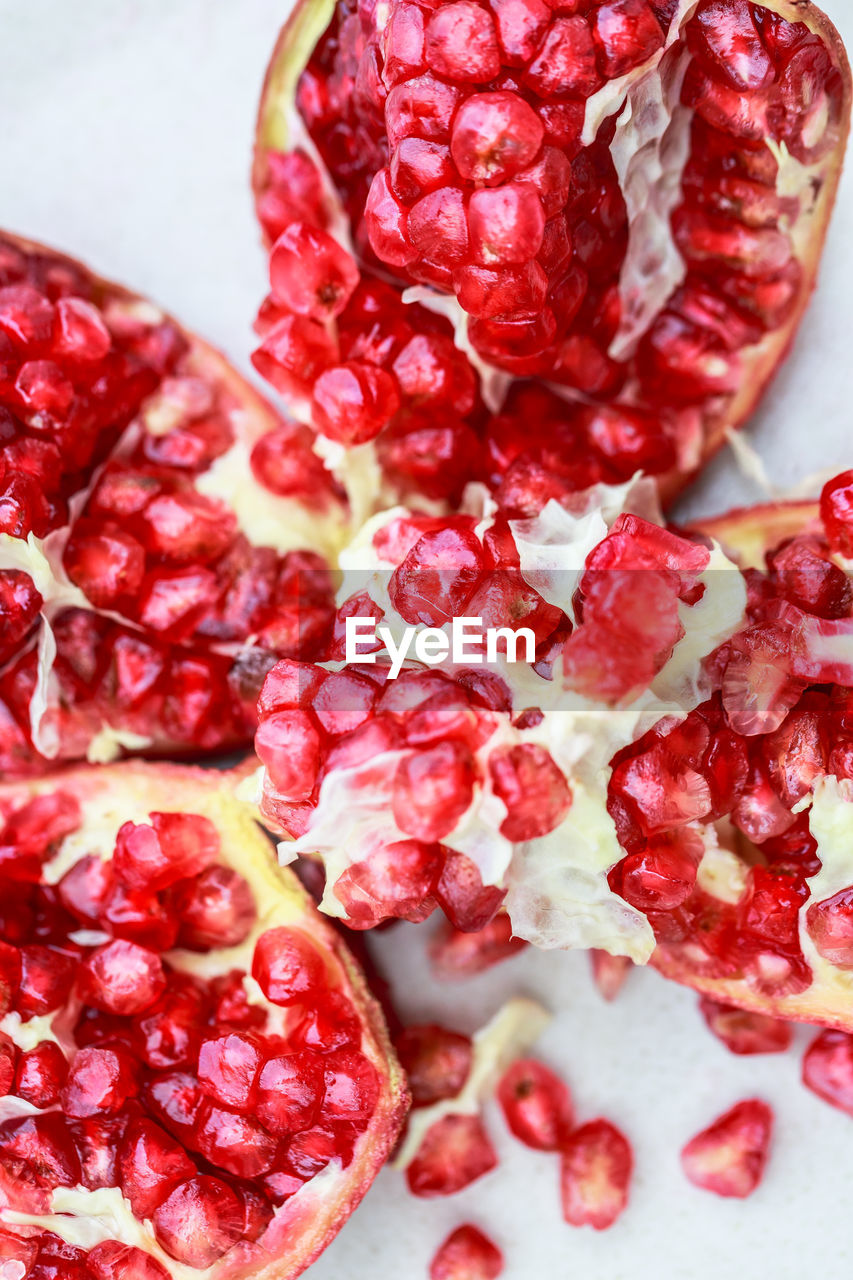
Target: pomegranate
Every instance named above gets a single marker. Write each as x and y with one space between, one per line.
163 532
198 1068
467 1254
627 198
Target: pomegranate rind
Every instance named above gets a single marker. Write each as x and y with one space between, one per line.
307 1223
278 127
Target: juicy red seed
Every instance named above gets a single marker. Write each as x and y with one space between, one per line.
8 1060
743 1032
10 976
455 954
174 1097
138 916
396 881
461 43
536 1105
310 273
595 1174
40 1075
46 980
41 1150
107 564
830 925
234 1142
533 789
112 1260
436 1061
352 1088
100 1080
216 909
432 790
84 887
494 137
438 576
353 402
199 1222
169 1032
828 1069
466 1254
626 33
609 972
659 879
505 224
287 966
468 904
455 1152
288 746
228 1068
836 511
151 1165
121 977
283 460
97 1141
729 1156
332 1024
290 1091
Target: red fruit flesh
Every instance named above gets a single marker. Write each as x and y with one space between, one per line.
729 1156
436 1062
466 1254
115 426
536 1105
455 1152
471 153
746 1033
203 1110
595 1173
828 1069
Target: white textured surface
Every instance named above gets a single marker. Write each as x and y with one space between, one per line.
126 134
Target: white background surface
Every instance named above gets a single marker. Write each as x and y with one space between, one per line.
125 136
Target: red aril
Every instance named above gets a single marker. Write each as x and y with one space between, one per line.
436 1061
828 1069
466 1254
743 1032
208 1114
536 1105
455 1152
729 1156
609 972
596 1163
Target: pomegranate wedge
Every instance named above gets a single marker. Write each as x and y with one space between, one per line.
162 530
201 1078
626 197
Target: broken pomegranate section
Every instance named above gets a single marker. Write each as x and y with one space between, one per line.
163 533
162 1084
627 199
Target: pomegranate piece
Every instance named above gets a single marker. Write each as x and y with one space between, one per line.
609 972
466 1254
828 1069
177 1084
536 1105
596 1163
47 976
729 1156
455 1151
743 1032
436 1061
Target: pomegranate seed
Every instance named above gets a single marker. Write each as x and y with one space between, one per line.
25 315
100 1080
417 167
536 1105
139 917
215 909
743 1032
505 224
290 1091
661 877
466 1254
536 794
287 966
455 1152
81 334
436 1061
432 790
8 1060
40 1075
333 1024
468 904
17 1255
565 65
97 1141
352 1089
830 925
729 1156
174 1098
396 881
121 977
228 1067
836 512
199 1222
353 402
828 1069
107 564
111 1260
609 972
288 746
455 954
46 980
234 1142
626 33
726 40
595 1173
10 976
495 136
387 222
175 846
188 527
168 1033
151 1164
172 602
310 273
84 887
461 43
39 1154
293 354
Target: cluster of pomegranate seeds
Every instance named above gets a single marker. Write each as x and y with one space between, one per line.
182 1091
466 1254
465 142
729 1156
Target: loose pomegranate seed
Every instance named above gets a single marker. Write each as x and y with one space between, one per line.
310 273
609 972
121 977
595 1173
436 1061
466 1254
111 1260
397 882
100 1081
353 402
40 1075
290 1091
536 1105
455 1152
729 1156
151 1165
828 1069
455 954
743 1032
432 790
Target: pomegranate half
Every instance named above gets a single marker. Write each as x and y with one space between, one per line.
162 530
194 1074
626 198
